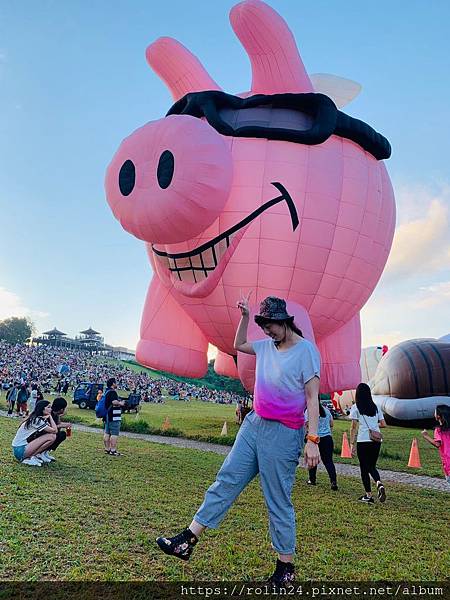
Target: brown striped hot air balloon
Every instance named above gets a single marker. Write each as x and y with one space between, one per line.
412 379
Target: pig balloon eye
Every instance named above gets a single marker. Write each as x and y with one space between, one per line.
127 177
166 166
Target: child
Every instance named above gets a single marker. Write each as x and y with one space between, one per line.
27 447
442 437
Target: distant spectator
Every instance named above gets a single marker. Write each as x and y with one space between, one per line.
367 419
33 397
22 400
113 417
324 431
441 438
28 445
11 397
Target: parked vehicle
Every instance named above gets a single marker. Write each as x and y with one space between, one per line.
87 394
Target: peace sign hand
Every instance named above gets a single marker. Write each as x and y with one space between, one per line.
243 304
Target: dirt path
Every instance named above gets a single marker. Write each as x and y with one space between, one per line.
423 481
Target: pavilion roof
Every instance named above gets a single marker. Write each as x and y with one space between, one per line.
90 331
54 331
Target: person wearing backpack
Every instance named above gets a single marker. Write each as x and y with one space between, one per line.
367 419
112 416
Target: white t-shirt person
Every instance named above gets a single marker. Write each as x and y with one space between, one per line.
23 433
366 423
280 380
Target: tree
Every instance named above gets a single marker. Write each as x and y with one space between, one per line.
16 330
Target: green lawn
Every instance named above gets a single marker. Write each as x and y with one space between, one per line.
204 421
94 517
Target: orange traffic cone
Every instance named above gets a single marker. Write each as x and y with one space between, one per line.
224 429
345 452
166 425
414 458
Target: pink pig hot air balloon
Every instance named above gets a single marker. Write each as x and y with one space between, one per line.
275 191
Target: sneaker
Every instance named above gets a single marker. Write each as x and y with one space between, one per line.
181 545
309 482
32 461
334 486
381 492
47 455
366 499
42 458
283 575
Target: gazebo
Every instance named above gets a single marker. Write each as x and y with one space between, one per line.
91 340
89 332
54 334
55 337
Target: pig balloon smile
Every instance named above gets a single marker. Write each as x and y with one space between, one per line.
198 264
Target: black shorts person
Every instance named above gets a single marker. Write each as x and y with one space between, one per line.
59 406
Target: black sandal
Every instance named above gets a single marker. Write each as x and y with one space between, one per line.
114 453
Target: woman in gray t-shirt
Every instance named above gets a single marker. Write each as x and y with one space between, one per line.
271 438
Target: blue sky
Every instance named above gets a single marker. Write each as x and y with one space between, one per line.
74 82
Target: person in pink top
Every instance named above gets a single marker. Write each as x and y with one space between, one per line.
271 438
441 438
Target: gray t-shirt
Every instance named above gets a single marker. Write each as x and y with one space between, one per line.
280 380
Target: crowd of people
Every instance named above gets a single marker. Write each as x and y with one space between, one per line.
29 372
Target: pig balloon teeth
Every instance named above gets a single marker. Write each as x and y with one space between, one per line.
197 186
194 266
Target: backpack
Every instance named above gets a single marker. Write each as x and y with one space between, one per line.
100 408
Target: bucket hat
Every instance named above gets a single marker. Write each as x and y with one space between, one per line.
272 309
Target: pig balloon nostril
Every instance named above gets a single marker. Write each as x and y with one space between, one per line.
165 170
127 178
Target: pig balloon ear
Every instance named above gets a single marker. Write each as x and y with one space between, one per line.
340 90
276 64
180 70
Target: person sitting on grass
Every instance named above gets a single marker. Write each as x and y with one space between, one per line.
28 445
442 437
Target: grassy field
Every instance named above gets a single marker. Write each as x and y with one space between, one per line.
204 421
94 517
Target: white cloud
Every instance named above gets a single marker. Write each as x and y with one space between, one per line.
393 315
11 305
433 295
422 239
